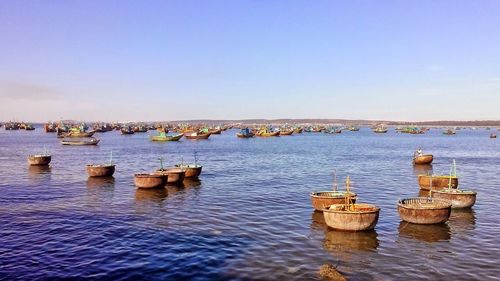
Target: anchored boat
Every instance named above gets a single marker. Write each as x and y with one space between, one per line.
457 197
39 159
322 200
164 137
350 216
90 141
422 210
150 180
245 133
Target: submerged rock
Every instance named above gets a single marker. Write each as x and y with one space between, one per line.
330 273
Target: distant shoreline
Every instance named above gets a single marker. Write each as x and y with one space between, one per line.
474 123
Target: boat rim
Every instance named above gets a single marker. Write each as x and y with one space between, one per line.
340 194
441 204
374 209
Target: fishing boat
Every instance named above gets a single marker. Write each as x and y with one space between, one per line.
424 210
286 132
380 130
457 197
39 159
192 171
298 130
266 132
90 141
216 131
164 137
422 159
197 136
140 129
333 130
353 128
11 126
50 127
351 216
105 170
150 180
127 130
175 175
29 127
245 133
322 200
436 182
449 132
74 133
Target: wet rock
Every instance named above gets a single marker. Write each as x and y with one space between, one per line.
330 273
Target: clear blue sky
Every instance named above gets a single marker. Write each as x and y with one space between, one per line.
171 60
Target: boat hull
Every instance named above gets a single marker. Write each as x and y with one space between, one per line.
191 171
150 180
436 182
457 198
100 170
322 200
80 142
175 175
167 138
423 160
197 136
424 210
365 217
39 160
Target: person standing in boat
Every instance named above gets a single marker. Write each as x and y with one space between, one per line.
419 152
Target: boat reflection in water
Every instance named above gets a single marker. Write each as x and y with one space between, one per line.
101 182
422 169
191 183
39 170
462 220
318 221
343 241
150 195
425 232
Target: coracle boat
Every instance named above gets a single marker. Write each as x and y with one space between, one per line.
457 197
150 180
322 200
175 175
90 141
424 210
106 170
350 216
192 171
423 159
245 133
437 182
39 159
165 137
197 136
493 136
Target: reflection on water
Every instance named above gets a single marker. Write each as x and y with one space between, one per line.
38 170
191 183
425 232
422 169
101 182
462 220
152 194
318 220
344 241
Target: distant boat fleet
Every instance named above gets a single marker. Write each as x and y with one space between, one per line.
72 133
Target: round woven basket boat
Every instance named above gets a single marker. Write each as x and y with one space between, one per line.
424 210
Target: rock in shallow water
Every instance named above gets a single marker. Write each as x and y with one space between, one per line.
330 273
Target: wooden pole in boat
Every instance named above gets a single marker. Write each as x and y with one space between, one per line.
161 163
334 180
453 171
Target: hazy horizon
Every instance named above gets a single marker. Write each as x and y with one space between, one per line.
235 60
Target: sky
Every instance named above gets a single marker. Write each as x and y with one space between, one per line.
178 60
